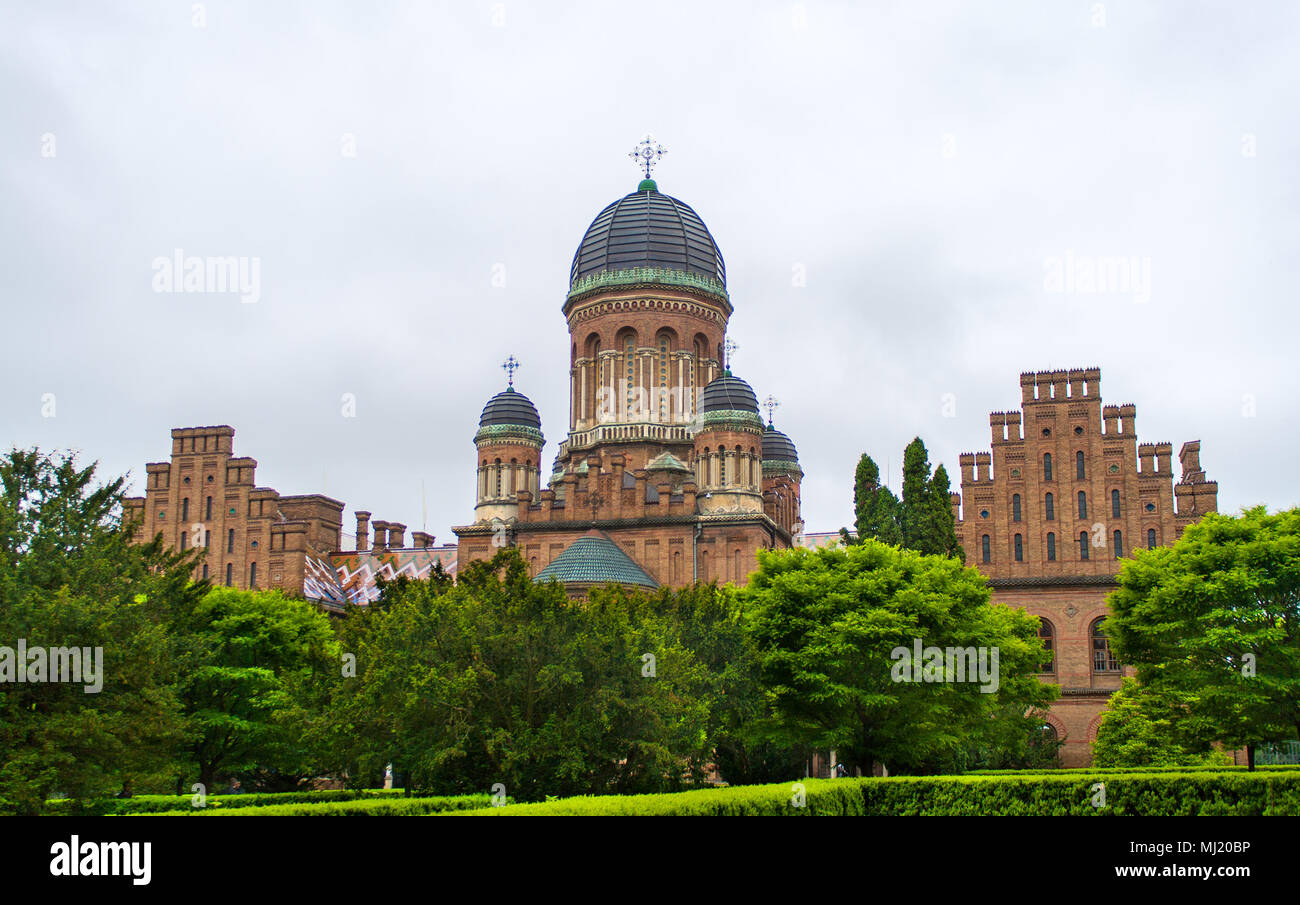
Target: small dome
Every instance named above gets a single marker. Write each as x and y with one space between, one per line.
727 393
510 407
648 229
777 447
594 559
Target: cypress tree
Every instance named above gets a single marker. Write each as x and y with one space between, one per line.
875 507
917 497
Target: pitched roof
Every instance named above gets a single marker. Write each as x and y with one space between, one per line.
594 559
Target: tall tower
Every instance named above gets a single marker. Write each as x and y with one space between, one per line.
508 448
663 463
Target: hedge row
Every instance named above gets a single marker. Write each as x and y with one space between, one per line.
389 806
1068 771
161 804
1186 793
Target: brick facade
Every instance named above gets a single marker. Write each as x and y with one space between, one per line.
1065 494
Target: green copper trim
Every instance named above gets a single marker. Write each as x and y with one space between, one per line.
510 432
642 275
781 466
738 418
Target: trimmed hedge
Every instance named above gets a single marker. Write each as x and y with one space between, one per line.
161 804
1079 771
1273 793
362 807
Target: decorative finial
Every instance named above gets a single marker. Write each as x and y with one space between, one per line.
729 350
770 403
647 154
511 365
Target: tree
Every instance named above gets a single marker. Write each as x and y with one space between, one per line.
499 679
830 624
941 527
916 512
1214 622
875 508
1143 728
71 577
250 655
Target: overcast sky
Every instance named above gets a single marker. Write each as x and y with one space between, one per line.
921 164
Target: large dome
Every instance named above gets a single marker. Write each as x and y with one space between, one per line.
510 407
727 393
648 229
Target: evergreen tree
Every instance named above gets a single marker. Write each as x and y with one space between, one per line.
943 524
917 509
875 507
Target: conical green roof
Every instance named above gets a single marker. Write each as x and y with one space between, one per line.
594 559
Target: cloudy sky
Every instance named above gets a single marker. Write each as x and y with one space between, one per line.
892 185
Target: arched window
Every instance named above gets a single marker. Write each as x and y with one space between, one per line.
1051 547
1114 504
663 377
1103 660
1118 540
205 571
497 495
230 574
1020 549
1083 504
252 575
208 511
722 467
629 358
1078 465
1151 538
185 537
1048 636
185 509
1015 507
230 541
1083 545
1049 503
985 548
1047 466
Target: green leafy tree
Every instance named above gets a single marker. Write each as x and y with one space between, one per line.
251 657
499 679
875 508
1143 728
1214 623
828 623
70 576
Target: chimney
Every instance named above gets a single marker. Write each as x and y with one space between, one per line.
421 540
396 535
381 535
363 531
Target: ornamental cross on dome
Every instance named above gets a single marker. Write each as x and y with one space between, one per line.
770 403
511 365
647 154
729 352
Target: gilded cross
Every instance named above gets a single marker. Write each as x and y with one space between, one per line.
511 365
770 403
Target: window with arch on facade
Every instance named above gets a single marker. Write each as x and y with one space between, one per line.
1020 549
1114 504
986 548
230 574
1047 466
1083 545
1151 538
1049 506
252 575
1083 504
1078 465
1015 507
1047 635
1103 659
1051 547
1118 542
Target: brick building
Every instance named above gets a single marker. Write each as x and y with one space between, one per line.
1066 493
666 457
253 537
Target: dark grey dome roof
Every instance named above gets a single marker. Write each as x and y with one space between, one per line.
648 229
730 394
510 407
777 447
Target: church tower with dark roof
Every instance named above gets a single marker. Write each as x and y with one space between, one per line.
664 455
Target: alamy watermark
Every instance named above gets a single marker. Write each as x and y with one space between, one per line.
946 665
40 665
191 273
